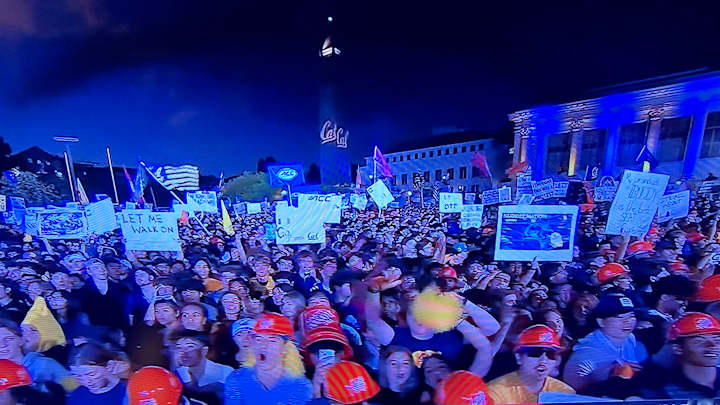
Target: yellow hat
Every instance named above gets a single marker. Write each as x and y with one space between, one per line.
48 328
436 310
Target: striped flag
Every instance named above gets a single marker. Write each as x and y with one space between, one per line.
180 178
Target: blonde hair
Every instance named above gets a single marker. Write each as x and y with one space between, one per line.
291 360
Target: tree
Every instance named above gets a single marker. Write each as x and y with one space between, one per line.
251 187
263 163
29 187
4 154
313 174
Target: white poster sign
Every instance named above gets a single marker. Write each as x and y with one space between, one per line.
147 230
330 204
543 188
676 205
101 217
560 189
451 202
203 201
490 197
545 232
358 201
299 225
505 194
380 194
253 208
62 223
636 203
471 216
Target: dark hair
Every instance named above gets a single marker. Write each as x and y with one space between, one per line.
198 305
201 337
91 354
12 326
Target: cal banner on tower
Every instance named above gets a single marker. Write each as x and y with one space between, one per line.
147 230
334 157
545 232
299 225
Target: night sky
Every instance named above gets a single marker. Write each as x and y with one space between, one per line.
222 83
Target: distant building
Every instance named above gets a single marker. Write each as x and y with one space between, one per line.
448 164
677 117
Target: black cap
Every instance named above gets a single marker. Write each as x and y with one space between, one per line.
611 305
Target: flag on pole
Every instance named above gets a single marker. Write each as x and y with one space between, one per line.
358 179
81 194
382 163
518 167
480 161
646 158
131 186
221 183
180 178
226 221
139 185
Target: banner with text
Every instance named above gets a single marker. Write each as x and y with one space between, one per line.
147 230
471 216
636 203
676 205
300 225
203 201
451 202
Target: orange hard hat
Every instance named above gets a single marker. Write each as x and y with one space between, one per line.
463 388
347 382
679 267
709 289
639 246
694 324
13 375
154 385
609 271
447 272
538 336
271 323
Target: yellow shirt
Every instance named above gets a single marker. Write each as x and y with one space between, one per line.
508 389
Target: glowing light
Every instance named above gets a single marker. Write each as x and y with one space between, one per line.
330 19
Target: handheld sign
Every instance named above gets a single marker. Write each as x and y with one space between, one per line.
504 194
299 225
147 230
380 194
636 203
202 201
62 223
676 205
330 204
490 197
253 208
560 189
451 202
101 217
543 188
471 216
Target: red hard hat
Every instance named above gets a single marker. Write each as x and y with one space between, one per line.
538 336
13 375
609 271
709 289
349 383
694 324
463 388
679 267
639 246
447 272
154 385
271 323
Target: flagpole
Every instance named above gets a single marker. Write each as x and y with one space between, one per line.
70 177
374 165
112 175
174 195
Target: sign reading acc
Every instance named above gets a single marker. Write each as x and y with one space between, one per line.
287 174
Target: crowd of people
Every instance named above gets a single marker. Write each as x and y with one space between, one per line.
395 307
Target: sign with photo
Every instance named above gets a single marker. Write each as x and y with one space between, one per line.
202 201
62 223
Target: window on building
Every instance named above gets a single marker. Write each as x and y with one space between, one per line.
632 139
447 151
711 138
475 172
426 176
475 188
404 179
401 158
416 156
592 149
558 153
464 149
455 150
438 175
673 135
431 153
463 172
481 146
472 148
451 174
394 159
423 155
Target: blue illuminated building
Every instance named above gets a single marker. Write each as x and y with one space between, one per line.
676 116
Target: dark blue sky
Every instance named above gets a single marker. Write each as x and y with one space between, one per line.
221 85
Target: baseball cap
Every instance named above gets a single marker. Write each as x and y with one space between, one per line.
153 385
463 388
538 336
243 325
611 305
694 324
609 271
13 375
638 247
347 382
271 323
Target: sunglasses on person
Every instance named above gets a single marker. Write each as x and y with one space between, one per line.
536 352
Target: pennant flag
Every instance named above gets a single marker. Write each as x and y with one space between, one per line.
518 167
180 178
139 185
478 160
81 194
226 221
382 163
221 183
645 156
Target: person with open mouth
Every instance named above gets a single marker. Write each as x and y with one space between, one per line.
536 352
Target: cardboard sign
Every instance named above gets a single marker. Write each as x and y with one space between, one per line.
469 198
471 216
380 194
299 225
490 197
202 201
545 232
524 183
62 223
147 230
330 204
709 187
560 189
676 205
636 203
543 188
358 201
253 208
451 202
504 194
101 217
526 199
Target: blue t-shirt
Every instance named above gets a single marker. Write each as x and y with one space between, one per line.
449 343
83 396
241 388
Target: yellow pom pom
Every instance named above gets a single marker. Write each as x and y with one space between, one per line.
436 310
